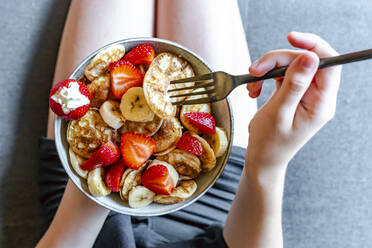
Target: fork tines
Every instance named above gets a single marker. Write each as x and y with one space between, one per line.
196 101
193 79
201 82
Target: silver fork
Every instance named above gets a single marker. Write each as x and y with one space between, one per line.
218 85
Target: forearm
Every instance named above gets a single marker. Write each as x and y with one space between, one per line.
77 222
254 219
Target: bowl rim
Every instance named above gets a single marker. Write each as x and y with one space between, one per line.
60 147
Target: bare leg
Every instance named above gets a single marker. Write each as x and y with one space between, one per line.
214 30
91 24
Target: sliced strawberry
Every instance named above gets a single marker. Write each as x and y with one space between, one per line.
202 121
107 154
157 179
124 76
71 106
113 175
136 149
142 54
190 144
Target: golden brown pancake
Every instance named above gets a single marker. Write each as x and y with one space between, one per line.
86 135
167 136
164 68
148 128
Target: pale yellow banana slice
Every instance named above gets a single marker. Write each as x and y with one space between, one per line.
205 108
76 161
207 159
131 179
110 113
186 164
134 106
140 196
218 141
124 176
164 68
96 185
100 63
184 190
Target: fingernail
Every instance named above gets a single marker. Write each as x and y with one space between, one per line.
294 32
307 61
255 64
254 94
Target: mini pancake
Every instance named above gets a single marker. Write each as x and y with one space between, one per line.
86 135
164 68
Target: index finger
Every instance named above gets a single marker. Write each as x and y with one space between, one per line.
329 78
311 42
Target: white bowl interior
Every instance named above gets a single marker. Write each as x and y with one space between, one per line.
221 111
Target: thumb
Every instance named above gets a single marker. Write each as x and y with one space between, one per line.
297 79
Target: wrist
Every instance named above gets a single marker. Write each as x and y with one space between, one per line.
265 176
83 201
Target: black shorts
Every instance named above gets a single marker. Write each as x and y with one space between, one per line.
197 225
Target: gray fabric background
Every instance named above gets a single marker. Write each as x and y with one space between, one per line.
328 189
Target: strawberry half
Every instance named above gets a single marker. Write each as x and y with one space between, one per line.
106 154
69 99
157 179
113 175
136 149
142 54
124 76
202 121
190 144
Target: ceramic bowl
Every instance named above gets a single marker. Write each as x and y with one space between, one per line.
221 111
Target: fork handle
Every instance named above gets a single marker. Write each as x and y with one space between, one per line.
323 63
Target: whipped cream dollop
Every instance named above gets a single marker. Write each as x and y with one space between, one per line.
70 97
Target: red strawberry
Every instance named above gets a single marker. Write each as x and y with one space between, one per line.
142 54
202 121
65 105
124 76
107 154
113 175
190 144
136 149
157 179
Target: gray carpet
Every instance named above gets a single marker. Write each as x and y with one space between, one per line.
327 195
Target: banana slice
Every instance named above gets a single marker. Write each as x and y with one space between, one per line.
186 164
134 107
124 176
148 128
217 141
99 90
110 113
167 136
164 68
207 159
130 179
140 196
183 191
86 135
205 108
76 161
100 63
96 185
